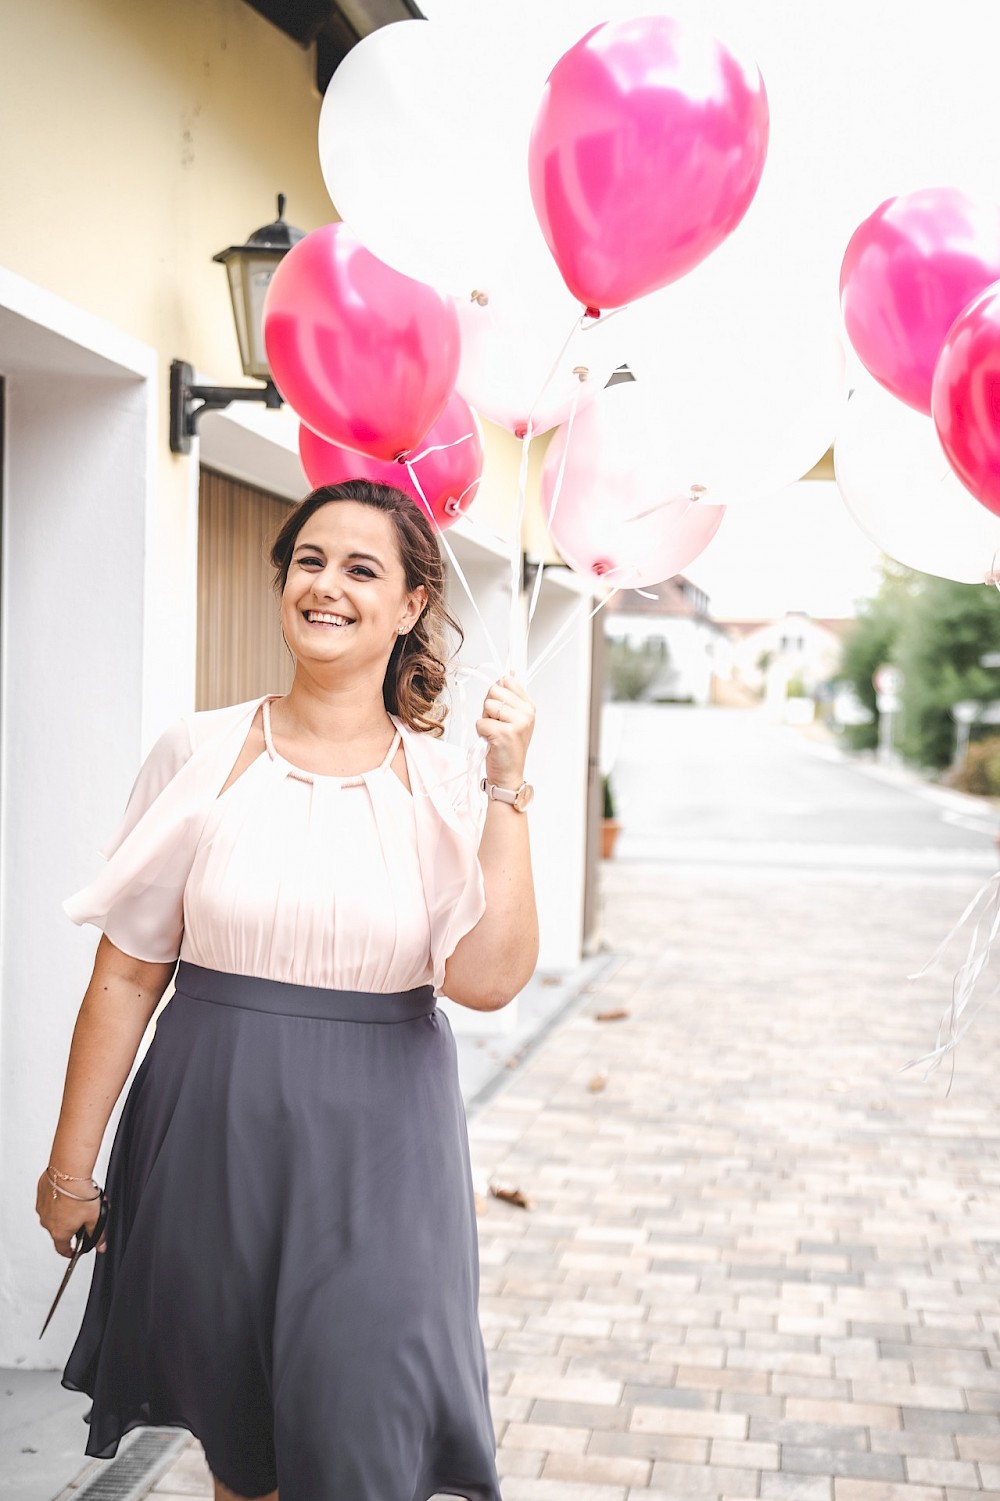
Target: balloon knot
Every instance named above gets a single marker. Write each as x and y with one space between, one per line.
521 431
581 372
600 568
697 491
481 299
592 312
401 457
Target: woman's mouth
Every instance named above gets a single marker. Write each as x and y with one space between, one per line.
327 618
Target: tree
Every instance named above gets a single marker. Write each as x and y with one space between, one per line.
873 642
947 629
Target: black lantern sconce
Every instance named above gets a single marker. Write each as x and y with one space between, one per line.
250 268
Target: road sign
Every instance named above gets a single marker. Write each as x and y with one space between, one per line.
888 703
966 711
887 679
990 659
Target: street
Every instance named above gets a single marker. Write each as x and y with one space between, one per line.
758 1260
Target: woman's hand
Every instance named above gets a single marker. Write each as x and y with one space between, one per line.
63 1217
506 726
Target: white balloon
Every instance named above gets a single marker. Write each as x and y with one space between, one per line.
900 489
527 352
423 143
745 358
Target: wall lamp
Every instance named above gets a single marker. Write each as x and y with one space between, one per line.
250 268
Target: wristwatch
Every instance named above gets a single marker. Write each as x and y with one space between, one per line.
519 799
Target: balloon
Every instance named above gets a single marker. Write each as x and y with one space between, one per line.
365 356
423 136
449 476
743 363
909 270
899 488
621 516
646 152
965 399
516 361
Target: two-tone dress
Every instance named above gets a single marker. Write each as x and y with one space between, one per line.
292 1264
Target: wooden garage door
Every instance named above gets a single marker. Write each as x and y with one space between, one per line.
240 651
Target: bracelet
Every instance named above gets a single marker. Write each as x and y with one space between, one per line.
79 1198
67 1177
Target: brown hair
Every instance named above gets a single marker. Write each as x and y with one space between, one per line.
415 676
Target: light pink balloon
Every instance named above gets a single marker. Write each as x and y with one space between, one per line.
646 153
449 476
619 516
367 357
909 270
966 398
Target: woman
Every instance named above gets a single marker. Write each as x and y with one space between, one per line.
290 1264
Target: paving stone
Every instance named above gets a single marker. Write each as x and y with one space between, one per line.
701 1480
788 1487
820 1461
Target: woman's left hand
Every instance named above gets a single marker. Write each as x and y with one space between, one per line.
506 726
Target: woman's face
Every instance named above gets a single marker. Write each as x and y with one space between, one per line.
345 598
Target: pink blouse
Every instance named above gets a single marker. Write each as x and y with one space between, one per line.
350 883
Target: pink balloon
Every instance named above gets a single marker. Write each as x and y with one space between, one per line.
449 476
646 153
367 357
909 270
965 399
619 517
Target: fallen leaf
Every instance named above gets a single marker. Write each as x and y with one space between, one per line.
597 1083
510 1195
614 1014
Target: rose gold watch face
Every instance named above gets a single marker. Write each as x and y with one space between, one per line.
523 796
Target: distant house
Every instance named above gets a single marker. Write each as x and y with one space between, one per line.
674 620
768 655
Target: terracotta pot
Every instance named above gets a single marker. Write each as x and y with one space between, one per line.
610 829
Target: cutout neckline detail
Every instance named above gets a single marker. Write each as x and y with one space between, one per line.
358 780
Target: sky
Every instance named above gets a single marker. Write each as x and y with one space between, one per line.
868 98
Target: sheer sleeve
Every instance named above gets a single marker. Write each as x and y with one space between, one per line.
145 916
450 812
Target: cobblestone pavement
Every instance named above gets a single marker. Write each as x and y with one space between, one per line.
759 1262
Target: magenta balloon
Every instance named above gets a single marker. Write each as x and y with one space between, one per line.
908 272
646 152
367 357
965 398
449 477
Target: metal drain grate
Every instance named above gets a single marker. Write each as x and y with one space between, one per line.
135 1469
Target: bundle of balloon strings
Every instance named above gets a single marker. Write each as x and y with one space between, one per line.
984 912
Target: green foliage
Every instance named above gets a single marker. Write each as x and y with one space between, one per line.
631 669
609 798
796 688
980 773
935 631
872 644
947 629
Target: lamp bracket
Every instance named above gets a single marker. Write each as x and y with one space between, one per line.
188 401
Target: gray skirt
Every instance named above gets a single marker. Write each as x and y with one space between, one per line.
292 1268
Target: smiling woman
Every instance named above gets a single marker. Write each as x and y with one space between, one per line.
290 1265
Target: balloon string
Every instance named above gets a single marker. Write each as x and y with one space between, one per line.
966 977
517 644
456 567
561 636
557 491
439 448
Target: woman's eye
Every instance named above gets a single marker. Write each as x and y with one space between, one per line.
310 562
366 573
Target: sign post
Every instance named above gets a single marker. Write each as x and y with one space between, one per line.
888 684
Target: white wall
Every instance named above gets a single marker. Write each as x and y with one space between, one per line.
72 637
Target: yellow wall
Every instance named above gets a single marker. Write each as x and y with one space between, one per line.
140 137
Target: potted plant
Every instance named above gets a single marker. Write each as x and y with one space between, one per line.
610 827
